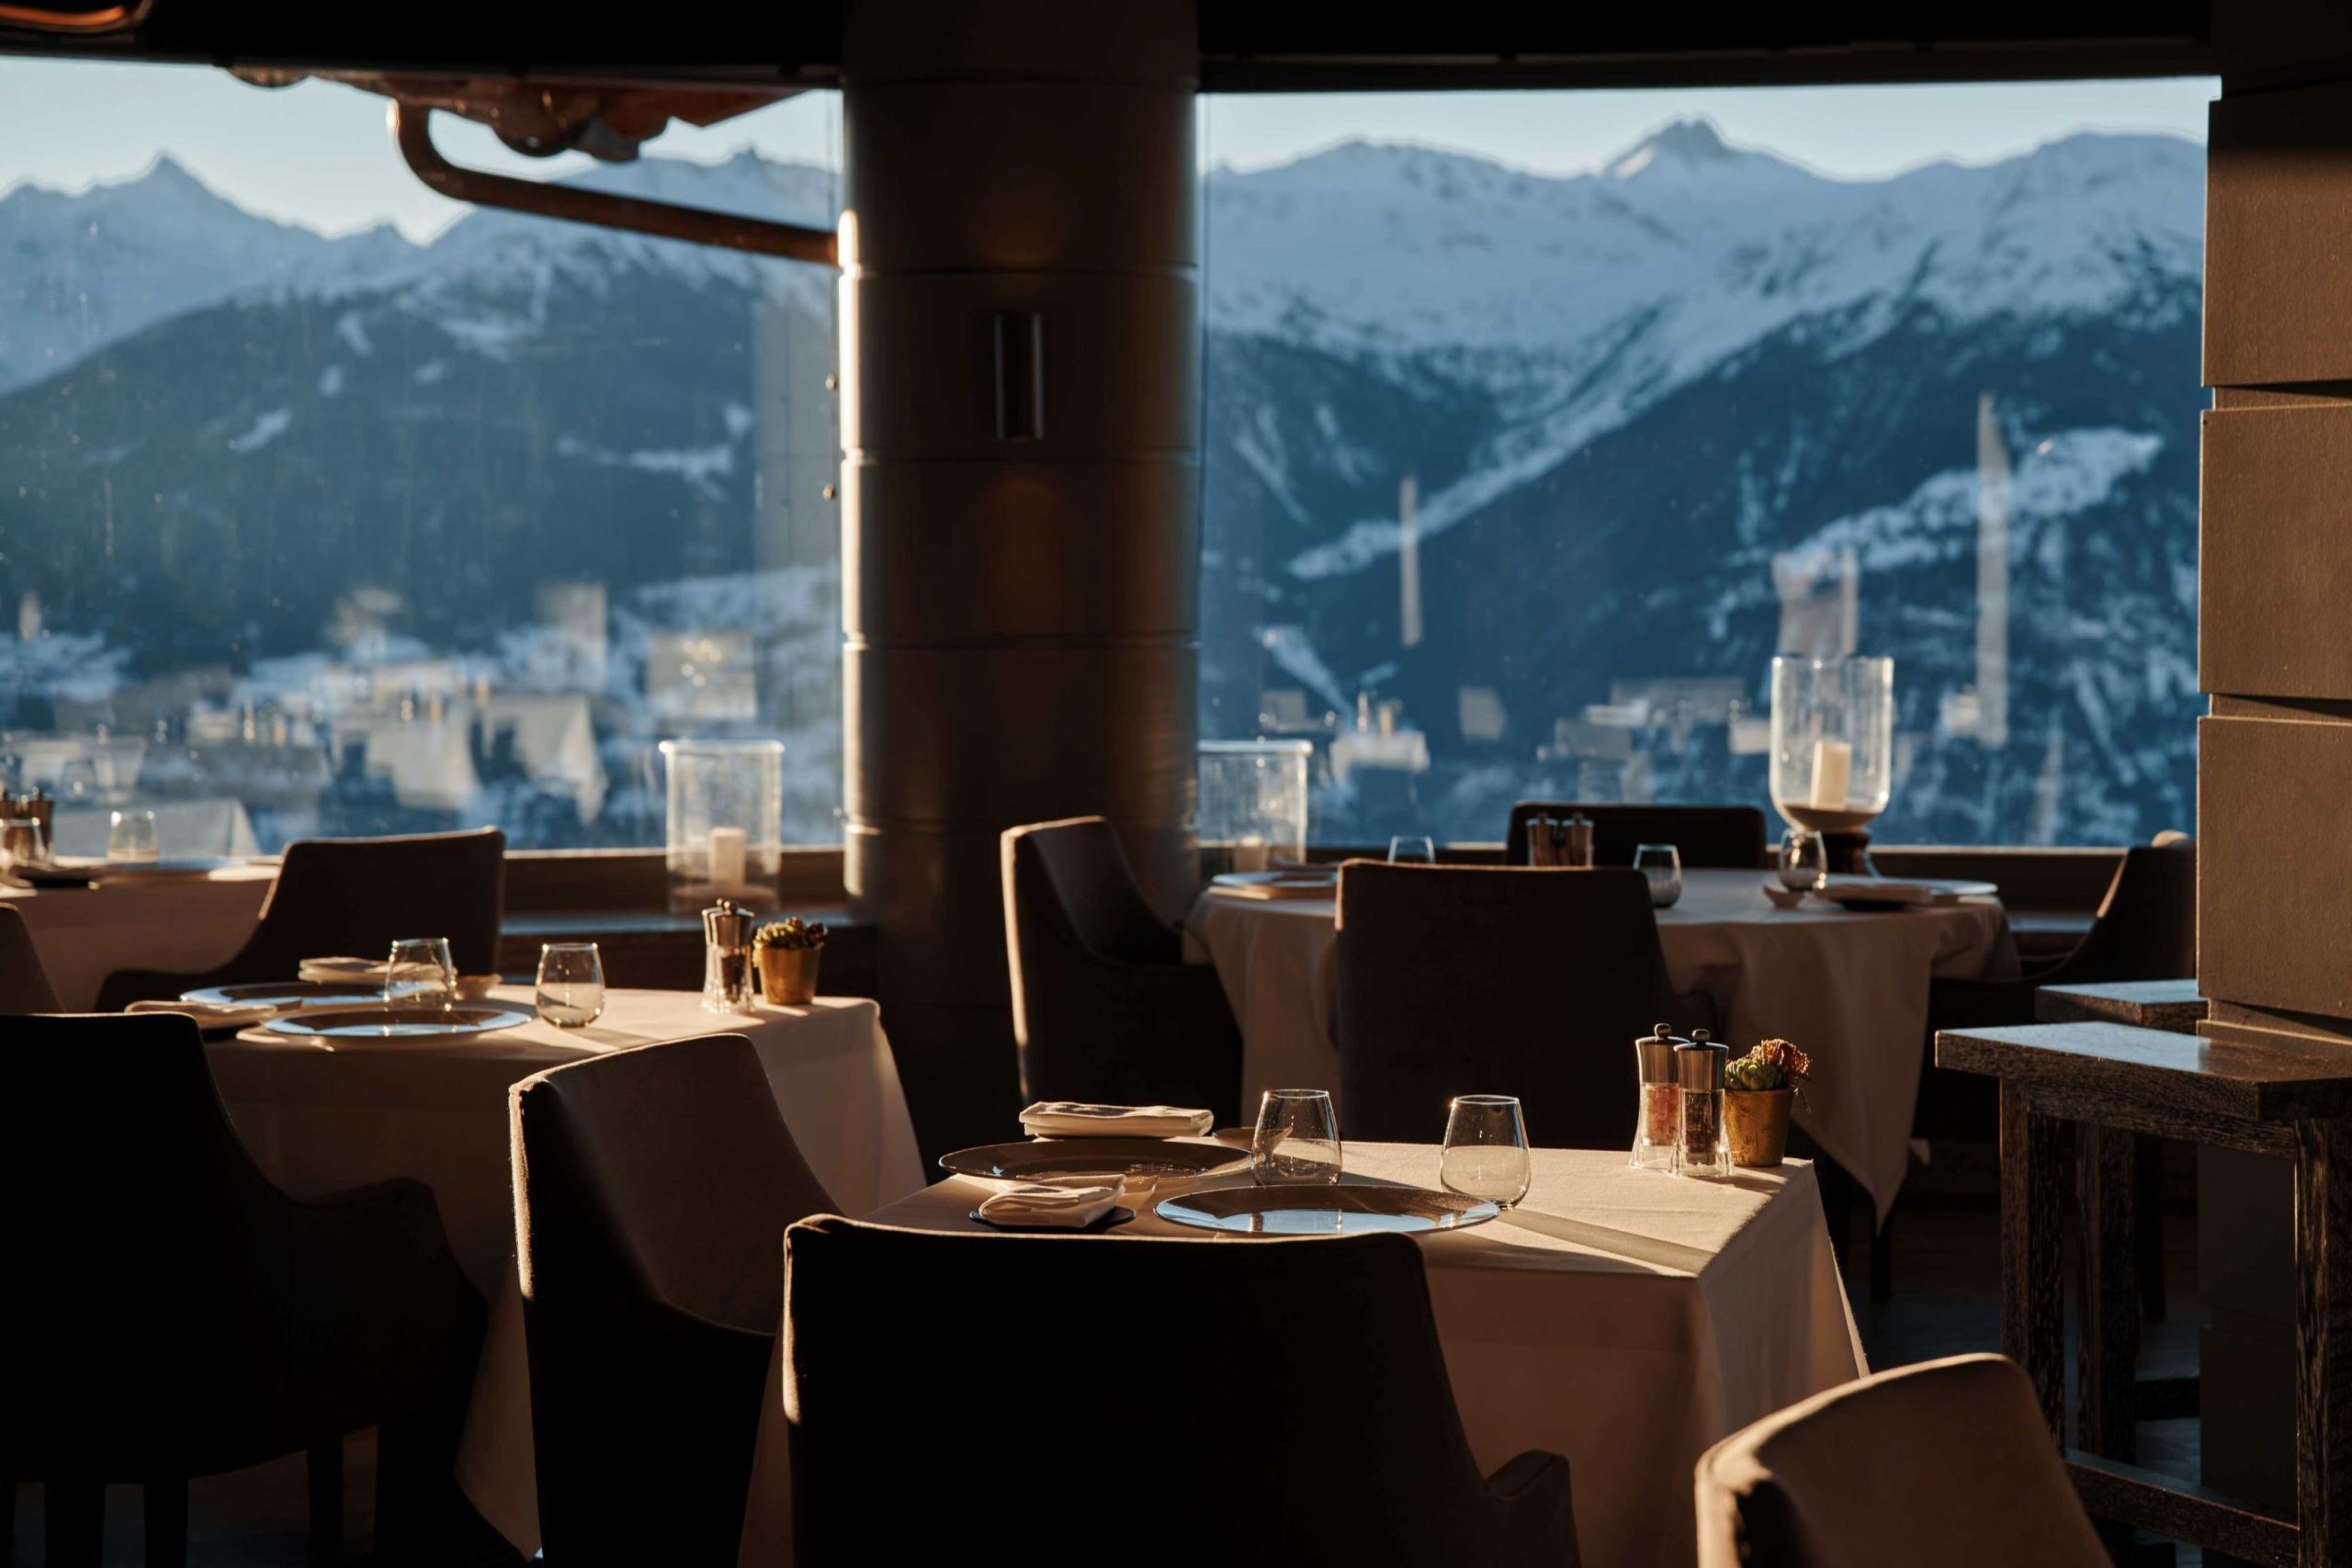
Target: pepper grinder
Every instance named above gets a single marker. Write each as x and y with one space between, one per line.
1579 850
1700 1149
1658 1117
726 957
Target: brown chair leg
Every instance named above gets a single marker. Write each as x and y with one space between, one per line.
75 1521
165 1505
325 1461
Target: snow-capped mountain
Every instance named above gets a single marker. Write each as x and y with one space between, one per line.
1654 418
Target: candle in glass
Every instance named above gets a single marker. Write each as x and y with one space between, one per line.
1833 765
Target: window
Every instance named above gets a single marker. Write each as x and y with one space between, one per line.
330 507
1538 422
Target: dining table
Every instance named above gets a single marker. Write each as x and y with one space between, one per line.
179 922
1848 986
320 1118
1626 1319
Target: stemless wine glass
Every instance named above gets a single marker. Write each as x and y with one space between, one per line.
130 835
421 974
1804 860
1412 850
571 983
1662 863
1297 1137
1486 1149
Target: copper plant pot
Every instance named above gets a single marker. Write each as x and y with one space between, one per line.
1756 1125
788 975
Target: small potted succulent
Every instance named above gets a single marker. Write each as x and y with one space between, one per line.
787 952
1758 1091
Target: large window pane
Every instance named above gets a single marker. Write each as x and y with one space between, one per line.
1516 480
327 506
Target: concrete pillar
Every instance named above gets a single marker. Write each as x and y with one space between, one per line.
1020 484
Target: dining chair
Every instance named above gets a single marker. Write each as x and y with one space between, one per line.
652 1188
175 1314
24 984
1074 1380
1946 1464
2145 929
1498 980
356 896
1729 837
1104 1009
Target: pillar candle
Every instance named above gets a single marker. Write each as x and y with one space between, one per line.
1833 763
726 857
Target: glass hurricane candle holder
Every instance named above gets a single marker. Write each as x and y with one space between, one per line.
1253 811
1833 747
726 822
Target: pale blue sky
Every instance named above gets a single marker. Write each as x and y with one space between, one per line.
319 153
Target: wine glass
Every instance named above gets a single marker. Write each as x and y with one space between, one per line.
421 974
130 835
1412 850
1486 1149
1662 863
571 983
1804 860
1297 1137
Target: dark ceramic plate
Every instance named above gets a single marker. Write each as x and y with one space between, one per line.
351 1025
1044 1159
287 995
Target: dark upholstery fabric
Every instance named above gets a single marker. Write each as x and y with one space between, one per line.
1504 980
1104 1006
652 1188
356 896
24 984
2145 929
171 1313
1132 1400
1719 836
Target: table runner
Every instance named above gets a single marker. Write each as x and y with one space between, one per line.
1624 1318
1850 988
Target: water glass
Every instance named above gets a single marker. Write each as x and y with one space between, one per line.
1662 863
571 983
1412 851
1804 860
21 842
130 835
1486 1149
1297 1137
421 974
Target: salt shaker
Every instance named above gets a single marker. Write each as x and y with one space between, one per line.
1658 1117
1700 1149
1580 841
727 957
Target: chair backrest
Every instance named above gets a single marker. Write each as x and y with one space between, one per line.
1068 885
127 1186
652 1188
1946 1464
1495 980
24 984
1339 1442
2146 926
360 896
1719 835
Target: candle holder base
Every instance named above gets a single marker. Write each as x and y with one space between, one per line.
1849 852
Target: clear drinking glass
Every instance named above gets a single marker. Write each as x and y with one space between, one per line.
571 983
1411 849
420 974
1805 858
1662 863
20 843
130 835
1486 1149
1297 1137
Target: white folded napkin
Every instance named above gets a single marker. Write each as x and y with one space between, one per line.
1070 1119
211 1015
360 971
1042 1203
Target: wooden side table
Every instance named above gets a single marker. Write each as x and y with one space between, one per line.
2287 1102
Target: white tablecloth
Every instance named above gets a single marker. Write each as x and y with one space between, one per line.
181 925
1624 1318
1852 989
320 1119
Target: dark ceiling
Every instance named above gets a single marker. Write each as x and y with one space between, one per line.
1247 45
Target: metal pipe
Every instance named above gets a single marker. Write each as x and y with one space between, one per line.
411 129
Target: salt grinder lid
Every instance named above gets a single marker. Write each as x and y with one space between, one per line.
1655 1053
